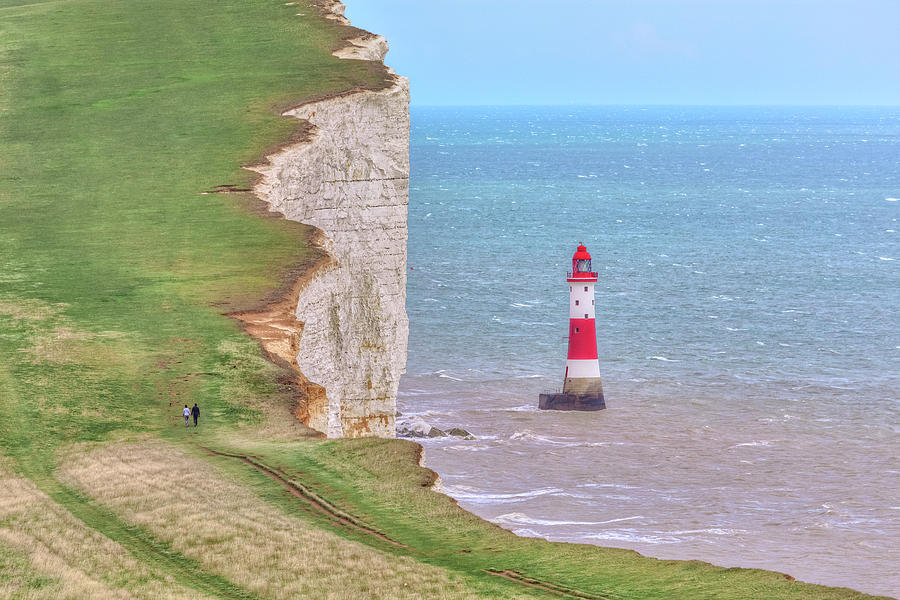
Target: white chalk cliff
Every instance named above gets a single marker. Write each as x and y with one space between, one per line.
350 179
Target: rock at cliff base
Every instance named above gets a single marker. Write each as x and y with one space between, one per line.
460 432
415 428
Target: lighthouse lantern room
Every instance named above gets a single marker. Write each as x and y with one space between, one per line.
582 388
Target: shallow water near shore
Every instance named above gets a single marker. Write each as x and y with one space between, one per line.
747 316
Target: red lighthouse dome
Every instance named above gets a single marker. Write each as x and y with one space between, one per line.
581 265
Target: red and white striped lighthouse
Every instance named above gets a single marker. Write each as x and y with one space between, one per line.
582 387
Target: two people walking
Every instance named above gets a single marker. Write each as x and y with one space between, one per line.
191 412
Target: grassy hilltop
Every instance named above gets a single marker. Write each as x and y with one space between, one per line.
115 272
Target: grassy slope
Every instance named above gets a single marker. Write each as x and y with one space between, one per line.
114 272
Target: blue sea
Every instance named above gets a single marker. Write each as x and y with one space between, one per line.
748 324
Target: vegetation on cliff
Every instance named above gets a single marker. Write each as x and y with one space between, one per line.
116 270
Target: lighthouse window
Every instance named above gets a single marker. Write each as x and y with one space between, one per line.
592 302
585 288
576 330
585 315
576 303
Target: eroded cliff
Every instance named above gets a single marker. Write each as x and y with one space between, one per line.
350 179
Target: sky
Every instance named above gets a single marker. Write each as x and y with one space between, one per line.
706 52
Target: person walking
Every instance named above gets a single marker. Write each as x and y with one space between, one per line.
196 412
187 415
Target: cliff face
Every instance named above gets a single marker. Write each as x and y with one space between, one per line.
350 179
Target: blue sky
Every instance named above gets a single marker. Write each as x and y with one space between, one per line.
468 52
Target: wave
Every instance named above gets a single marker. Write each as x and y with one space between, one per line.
442 373
472 495
662 358
711 530
525 532
756 444
522 408
620 486
530 436
629 535
468 448
517 518
667 537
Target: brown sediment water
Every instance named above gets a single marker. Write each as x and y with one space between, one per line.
794 488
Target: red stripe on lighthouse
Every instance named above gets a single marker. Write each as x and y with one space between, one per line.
582 343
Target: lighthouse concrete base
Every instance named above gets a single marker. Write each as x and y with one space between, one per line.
578 393
582 385
572 401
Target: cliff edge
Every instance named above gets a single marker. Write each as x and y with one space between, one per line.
349 178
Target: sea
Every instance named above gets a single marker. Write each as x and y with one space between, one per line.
748 327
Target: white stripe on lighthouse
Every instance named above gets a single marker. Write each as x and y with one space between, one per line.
581 302
576 369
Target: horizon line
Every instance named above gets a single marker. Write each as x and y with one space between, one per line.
652 104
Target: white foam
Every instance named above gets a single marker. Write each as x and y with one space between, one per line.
472 495
530 436
444 375
891 199
711 530
662 358
525 532
884 258
518 518
620 486
754 444
522 408
632 536
469 448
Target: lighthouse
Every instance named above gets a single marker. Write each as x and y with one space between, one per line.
582 388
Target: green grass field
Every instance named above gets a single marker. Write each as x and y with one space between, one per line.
115 272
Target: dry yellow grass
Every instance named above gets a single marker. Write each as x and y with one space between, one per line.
29 310
52 555
53 340
66 345
188 503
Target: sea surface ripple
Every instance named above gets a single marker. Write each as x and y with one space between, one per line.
747 322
